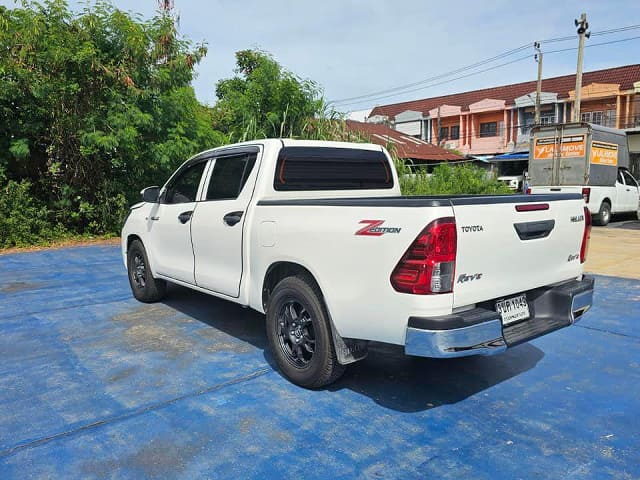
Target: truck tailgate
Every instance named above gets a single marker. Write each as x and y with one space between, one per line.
508 245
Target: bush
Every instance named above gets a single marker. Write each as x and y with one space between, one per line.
449 180
23 219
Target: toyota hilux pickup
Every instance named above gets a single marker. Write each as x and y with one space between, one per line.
317 236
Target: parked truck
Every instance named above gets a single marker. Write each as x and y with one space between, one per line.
317 236
588 159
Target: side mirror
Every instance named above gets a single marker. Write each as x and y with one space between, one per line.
150 194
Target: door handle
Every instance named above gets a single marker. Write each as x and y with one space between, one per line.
184 217
534 230
232 218
152 218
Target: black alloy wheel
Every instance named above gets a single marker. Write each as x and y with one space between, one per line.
299 331
295 334
144 286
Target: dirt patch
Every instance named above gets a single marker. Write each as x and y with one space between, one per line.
15 287
71 242
158 328
160 458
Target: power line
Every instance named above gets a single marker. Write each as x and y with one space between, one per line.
596 44
436 77
443 82
409 88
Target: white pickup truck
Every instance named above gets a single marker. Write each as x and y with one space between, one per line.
588 159
317 236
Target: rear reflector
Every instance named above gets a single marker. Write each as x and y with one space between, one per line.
586 194
532 207
428 266
586 235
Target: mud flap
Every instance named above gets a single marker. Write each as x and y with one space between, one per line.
348 350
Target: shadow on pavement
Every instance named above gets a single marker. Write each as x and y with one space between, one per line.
387 376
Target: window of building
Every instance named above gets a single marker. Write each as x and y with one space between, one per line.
455 132
318 168
489 129
610 118
592 117
547 119
444 133
597 118
184 187
229 176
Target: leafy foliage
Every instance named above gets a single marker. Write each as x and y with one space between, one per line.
92 106
96 104
449 180
264 100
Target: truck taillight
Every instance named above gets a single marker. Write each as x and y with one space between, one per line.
428 266
585 235
586 194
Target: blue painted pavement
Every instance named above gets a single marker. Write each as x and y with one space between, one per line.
94 384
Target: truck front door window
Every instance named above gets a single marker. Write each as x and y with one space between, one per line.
184 188
628 179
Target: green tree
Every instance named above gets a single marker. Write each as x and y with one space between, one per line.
93 106
265 100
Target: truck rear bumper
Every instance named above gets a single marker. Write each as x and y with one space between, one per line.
480 331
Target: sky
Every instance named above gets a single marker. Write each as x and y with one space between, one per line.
356 47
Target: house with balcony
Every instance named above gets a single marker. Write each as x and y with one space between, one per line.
498 120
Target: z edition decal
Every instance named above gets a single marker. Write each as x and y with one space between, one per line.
373 228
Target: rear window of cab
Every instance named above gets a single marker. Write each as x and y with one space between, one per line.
323 168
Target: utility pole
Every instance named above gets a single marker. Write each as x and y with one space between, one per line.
538 57
582 25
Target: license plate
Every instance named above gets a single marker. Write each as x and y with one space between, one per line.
513 309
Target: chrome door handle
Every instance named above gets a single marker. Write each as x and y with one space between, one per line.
152 218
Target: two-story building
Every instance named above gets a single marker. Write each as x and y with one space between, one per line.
497 120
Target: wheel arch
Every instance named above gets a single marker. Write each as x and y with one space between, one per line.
347 350
280 270
131 237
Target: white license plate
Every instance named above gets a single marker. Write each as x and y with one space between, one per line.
513 309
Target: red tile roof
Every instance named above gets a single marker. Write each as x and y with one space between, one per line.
625 76
406 146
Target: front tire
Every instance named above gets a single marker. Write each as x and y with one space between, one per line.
300 335
144 287
604 215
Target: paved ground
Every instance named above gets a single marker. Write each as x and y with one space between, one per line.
93 384
615 249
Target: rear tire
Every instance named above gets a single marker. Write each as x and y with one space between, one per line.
145 288
604 215
300 334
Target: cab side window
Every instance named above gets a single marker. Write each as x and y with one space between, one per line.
620 179
184 188
229 176
628 179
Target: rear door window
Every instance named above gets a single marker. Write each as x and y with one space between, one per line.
322 168
229 176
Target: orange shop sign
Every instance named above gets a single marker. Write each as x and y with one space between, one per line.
546 148
603 153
